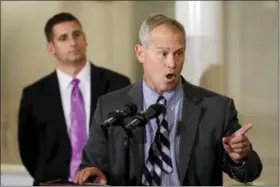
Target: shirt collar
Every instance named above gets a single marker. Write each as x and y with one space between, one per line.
150 96
65 79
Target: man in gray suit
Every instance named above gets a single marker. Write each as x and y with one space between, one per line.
197 139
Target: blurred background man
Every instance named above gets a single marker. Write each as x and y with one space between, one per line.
55 112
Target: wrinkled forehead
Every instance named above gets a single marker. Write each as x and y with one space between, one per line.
169 37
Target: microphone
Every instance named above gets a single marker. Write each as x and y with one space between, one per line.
141 118
115 116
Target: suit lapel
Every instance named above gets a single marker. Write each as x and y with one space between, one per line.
138 139
55 103
191 114
97 85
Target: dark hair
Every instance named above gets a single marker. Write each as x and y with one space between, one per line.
58 18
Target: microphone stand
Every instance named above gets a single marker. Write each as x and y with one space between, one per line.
127 137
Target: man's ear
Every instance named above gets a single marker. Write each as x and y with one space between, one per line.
140 53
50 48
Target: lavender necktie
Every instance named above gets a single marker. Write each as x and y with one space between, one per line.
77 129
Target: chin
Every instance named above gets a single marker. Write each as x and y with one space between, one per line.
170 86
167 88
76 60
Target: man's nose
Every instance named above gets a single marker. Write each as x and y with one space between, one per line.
73 42
171 63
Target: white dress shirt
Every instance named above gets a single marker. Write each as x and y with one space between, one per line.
65 87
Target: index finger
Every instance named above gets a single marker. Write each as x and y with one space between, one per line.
244 129
100 177
82 177
103 179
78 176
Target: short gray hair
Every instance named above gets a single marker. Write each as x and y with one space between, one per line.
152 22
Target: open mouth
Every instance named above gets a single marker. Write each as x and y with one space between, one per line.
170 76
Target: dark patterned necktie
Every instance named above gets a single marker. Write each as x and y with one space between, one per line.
159 158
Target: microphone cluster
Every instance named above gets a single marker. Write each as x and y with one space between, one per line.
138 118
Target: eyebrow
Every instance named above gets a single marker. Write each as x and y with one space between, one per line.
75 31
167 48
162 48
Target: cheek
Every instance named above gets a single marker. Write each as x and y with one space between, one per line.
180 64
153 64
61 49
83 44
155 71
152 67
59 52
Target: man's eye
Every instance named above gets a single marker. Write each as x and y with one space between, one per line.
62 38
77 33
178 53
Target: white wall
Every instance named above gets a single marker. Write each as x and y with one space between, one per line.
252 55
244 66
23 60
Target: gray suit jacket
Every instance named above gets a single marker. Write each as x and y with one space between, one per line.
206 118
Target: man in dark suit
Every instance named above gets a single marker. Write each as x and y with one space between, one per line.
192 143
56 111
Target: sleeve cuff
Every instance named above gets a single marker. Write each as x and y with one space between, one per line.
237 164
